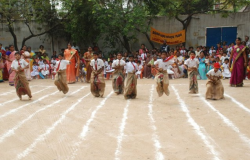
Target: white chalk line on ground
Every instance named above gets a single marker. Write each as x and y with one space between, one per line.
196 127
27 104
86 126
50 129
11 131
228 122
18 98
121 131
13 90
157 144
238 103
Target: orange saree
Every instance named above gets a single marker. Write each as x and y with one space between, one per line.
88 57
72 71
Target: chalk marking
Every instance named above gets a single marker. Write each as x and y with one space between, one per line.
196 127
157 144
49 130
238 103
18 98
11 131
16 109
227 121
86 126
121 131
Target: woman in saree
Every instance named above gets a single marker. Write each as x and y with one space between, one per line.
72 69
147 67
26 56
10 56
5 71
32 57
202 66
88 56
237 64
21 83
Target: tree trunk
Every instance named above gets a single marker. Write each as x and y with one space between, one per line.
11 29
150 42
185 23
126 44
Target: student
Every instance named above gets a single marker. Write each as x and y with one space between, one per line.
225 69
118 75
61 77
176 70
223 57
162 78
35 72
191 65
45 69
109 70
97 83
20 81
139 72
130 90
215 89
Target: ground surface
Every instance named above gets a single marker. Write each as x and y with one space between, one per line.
53 126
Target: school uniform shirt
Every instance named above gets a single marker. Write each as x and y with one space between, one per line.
139 70
21 62
117 62
192 63
40 63
211 51
131 67
143 56
164 65
222 59
213 73
45 67
182 52
226 73
180 59
63 64
99 63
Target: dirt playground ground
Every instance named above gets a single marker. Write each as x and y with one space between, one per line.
54 126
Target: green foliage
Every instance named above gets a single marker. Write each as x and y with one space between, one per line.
119 20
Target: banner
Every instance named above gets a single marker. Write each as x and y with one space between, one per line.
171 38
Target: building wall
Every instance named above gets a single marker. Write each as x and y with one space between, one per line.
195 36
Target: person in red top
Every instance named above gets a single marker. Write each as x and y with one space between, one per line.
143 47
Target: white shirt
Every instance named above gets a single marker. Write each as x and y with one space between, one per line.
130 68
182 52
22 63
223 59
164 65
116 63
180 59
40 63
192 63
45 65
211 51
213 73
63 64
143 56
97 62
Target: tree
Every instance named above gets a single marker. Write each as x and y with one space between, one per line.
120 20
82 24
33 11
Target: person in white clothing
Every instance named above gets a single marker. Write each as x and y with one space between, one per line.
215 89
35 72
118 75
192 65
61 77
97 83
140 67
130 91
225 69
162 78
21 83
45 69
